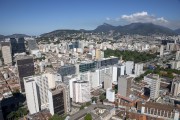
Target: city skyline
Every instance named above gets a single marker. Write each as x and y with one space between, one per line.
37 17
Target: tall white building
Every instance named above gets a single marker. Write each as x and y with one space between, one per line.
178 55
114 74
153 81
42 84
161 50
6 52
71 80
104 72
110 95
81 91
31 94
138 69
175 87
120 70
129 67
94 79
107 81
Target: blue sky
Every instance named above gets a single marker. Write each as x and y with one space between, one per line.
35 17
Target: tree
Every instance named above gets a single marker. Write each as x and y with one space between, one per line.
56 117
94 99
102 97
88 117
82 107
88 103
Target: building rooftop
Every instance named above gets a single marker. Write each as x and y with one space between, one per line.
153 76
42 115
94 110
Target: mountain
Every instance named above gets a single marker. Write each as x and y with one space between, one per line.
133 28
136 28
144 29
2 36
17 36
177 31
104 28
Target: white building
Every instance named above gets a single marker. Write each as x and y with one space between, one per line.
175 87
114 74
120 70
153 81
81 91
6 53
85 76
178 55
44 83
161 50
94 79
110 95
129 67
138 69
31 94
71 80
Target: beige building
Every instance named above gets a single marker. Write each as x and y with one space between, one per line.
6 53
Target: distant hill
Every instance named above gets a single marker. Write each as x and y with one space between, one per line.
177 31
133 28
104 28
17 36
144 29
61 32
136 28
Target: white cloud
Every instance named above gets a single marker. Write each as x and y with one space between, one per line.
107 18
144 17
161 19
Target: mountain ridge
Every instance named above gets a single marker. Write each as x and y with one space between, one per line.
133 28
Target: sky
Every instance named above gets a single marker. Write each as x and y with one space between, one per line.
34 17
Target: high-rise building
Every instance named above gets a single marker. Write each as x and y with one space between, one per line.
25 66
94 79
110 94
81 91
105 72
124 85
178 55
153 81
31 95
14 45
138 69
6 52
21 45
175 87
107 61
18 45
32 45
87 66
59 101
161 50
120 70
107 81
129 67
98 54
114 74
